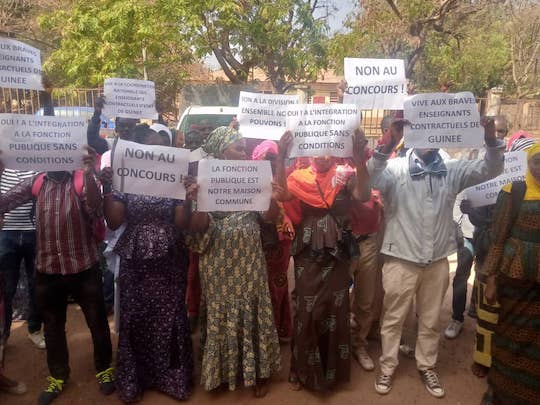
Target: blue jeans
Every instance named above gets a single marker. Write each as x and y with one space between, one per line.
16 246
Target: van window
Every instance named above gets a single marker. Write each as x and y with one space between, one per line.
200 120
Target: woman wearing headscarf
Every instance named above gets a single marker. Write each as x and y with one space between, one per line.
513 268
154 345
278 254
318 199
239 336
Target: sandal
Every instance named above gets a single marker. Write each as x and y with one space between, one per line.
294 382
479 370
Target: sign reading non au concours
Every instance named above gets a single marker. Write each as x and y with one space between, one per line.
515 167
234 185
20 65
442 120
322 129
130 98
33 143
375 83
150 170
264 116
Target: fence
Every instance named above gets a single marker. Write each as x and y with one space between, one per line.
27 101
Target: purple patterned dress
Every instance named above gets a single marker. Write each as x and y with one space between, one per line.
154 347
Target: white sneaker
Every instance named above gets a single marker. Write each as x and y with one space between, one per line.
453 329
383 383
37 339
432 383
364 359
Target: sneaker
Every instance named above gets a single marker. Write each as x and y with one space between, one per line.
454 329
105 380
383 383
432 383
12 387
363 358
52 391
38 339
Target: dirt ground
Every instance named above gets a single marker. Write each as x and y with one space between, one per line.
25 362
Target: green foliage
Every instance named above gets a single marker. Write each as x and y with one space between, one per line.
281 37
463 45
104 38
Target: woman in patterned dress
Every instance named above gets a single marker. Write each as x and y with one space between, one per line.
154 346
317 200
513 269
240 342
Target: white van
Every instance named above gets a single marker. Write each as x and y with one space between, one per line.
199 116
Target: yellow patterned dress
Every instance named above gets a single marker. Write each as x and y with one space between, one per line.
240 338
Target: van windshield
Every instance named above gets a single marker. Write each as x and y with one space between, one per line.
198 121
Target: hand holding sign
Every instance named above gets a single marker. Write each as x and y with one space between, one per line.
89 160
359 148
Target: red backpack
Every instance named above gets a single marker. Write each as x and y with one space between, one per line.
98 226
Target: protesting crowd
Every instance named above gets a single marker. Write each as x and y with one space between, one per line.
369 231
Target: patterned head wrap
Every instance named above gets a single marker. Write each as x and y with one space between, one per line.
522 144
219 139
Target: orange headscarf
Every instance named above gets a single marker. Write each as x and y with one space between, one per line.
302 183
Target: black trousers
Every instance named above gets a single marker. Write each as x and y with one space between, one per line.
87 289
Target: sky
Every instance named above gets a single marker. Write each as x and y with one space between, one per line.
338 15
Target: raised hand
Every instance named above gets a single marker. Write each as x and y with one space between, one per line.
359 147
490 134
284 144
106 176
89 160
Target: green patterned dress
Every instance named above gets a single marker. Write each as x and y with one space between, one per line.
240 338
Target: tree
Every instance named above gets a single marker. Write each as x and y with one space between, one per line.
441 41
523 31
284 38
96 39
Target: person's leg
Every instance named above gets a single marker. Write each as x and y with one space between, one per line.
29 254
51 297
10 263
429 299
465 260
400 280
365 279
87 290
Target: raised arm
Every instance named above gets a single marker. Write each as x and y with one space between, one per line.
113 210
92 133
280 181
361 191
196 221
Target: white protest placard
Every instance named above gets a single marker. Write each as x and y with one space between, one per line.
515 167
322 129
20 65
234 185
264 116
442 120
34 143
375 83
151 170
130 98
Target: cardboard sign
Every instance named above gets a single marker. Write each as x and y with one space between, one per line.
443 120
322 129
264 116
234 185
130 98
151 170
33 143
20 65
375 83
515 167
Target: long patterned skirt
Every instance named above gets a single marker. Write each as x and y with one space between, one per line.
487 318
277 260
321 340
154 346
515 371
2 321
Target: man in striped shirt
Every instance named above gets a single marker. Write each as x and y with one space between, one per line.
67 263
18 243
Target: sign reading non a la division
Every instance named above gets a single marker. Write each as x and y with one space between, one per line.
130 98
515 167
264 116
20 65
234 185
150 170
33 143
442 120
322 129
375 83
